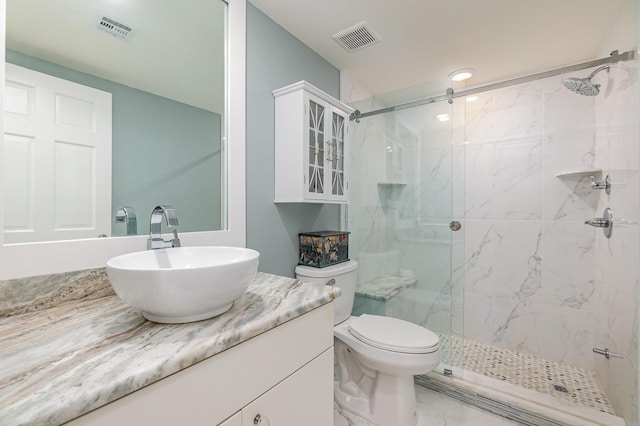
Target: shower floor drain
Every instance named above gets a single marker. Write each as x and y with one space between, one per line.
561 388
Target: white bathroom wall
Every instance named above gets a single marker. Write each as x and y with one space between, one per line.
617 270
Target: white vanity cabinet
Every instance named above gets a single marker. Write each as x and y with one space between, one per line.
301 399
285 375
311 146
235 420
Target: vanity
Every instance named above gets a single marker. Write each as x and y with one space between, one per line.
71 352
76 353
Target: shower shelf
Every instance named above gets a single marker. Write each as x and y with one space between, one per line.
586 172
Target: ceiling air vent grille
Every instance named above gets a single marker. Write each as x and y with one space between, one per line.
115 28
357 37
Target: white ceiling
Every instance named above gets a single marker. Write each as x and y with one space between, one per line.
424 40
176 51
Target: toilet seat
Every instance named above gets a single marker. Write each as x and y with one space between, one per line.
393 334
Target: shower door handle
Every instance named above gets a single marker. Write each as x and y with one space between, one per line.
454 225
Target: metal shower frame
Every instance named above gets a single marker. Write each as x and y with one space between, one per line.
450 95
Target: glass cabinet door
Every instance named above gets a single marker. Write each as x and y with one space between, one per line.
326 151
316 148
337 153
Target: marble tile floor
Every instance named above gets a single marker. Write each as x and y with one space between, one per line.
563 382
436 409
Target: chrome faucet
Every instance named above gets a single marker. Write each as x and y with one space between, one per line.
155 240
126 214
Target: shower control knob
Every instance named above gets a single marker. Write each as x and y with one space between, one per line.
454 225
605 184
259 420
605 222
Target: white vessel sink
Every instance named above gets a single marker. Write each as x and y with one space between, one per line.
183 284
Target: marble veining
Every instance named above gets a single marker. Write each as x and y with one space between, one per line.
59 363
32 294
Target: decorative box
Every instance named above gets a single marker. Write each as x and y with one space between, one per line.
323 248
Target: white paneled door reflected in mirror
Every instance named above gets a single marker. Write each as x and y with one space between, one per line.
112 104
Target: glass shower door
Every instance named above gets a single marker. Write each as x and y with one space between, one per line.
404 174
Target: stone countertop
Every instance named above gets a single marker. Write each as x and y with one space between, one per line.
66 360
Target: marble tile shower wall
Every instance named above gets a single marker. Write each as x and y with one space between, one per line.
529 258
616 273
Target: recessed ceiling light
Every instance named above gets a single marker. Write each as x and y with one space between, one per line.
472 98
443 117
462 74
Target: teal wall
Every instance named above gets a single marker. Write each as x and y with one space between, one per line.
164 152
275 59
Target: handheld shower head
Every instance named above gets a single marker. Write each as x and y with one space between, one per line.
584 86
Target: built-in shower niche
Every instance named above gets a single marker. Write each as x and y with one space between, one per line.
389 194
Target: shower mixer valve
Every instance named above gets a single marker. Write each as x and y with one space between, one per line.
605 222
605 184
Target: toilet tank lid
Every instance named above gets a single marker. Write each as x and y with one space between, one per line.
393 334
327 271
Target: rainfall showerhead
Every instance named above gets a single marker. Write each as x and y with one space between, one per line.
584 86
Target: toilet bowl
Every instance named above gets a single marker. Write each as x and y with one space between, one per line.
376 357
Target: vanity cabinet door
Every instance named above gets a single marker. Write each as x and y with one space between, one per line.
235 420
304 398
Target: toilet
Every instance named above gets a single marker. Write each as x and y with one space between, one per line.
376 357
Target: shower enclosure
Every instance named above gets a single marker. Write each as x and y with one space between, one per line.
467 216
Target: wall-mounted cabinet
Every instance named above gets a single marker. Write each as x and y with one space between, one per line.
311 146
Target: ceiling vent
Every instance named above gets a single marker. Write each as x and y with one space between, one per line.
357 37
115 27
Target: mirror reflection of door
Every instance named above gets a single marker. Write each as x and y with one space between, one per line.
57 158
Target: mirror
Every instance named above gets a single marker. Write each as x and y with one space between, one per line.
161 69
28 260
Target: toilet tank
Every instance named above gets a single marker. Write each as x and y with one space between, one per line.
345 276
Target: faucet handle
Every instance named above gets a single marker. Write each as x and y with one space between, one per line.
155 240
605 222
168 212
172 217
124 213
605 184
